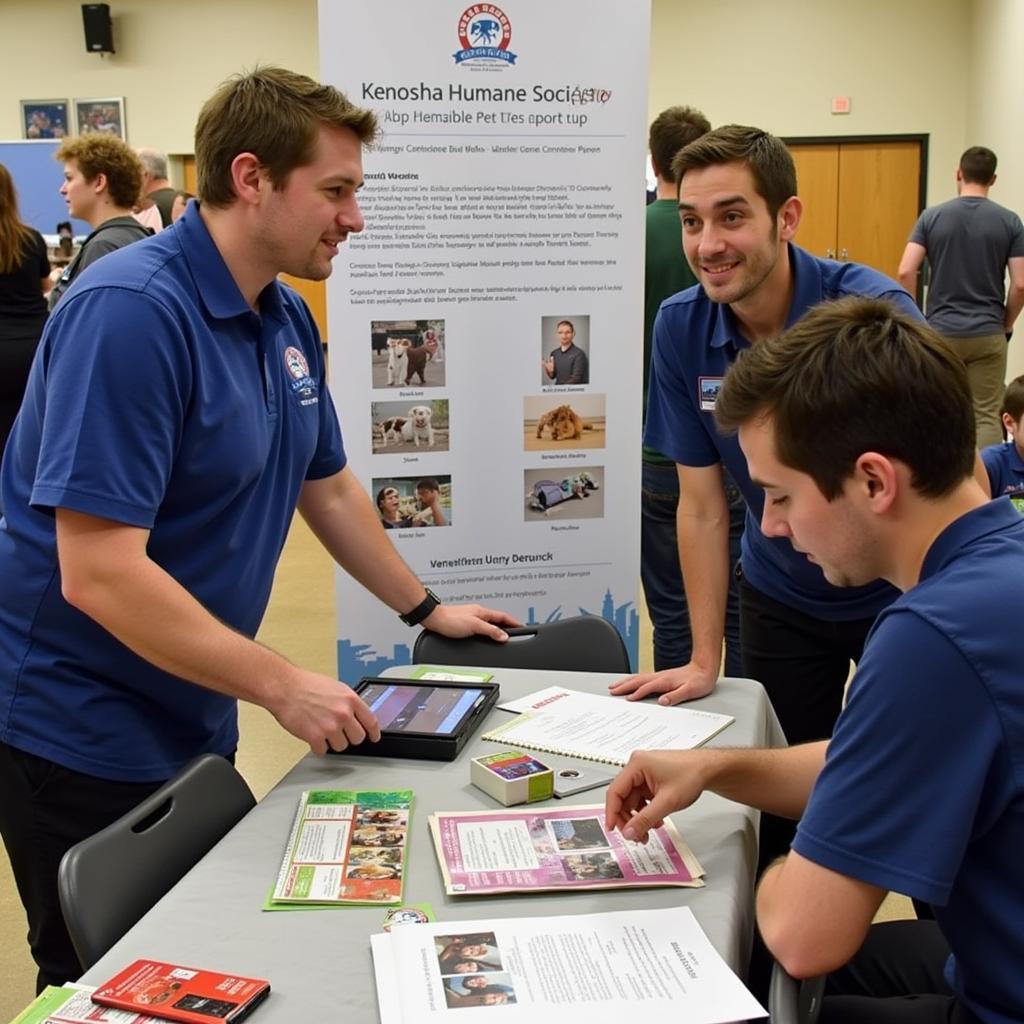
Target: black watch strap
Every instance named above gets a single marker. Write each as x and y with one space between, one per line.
422 610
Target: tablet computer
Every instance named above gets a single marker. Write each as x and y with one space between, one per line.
424 718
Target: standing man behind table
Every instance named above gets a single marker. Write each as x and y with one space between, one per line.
740 212
920 789
567 364
666 272
176 416
970 243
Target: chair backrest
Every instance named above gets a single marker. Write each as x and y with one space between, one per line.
791 1001
108 881
584 643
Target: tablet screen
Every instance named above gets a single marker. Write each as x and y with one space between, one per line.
402 707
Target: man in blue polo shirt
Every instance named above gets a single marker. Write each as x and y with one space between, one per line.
858 426
176 416
1004 462
798 633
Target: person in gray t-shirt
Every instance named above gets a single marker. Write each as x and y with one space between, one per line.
970 242
567 364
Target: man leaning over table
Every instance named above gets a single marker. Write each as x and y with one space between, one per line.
920 790
176 417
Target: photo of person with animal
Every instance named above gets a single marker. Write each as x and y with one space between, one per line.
575 492
552 425
409 502
409 427
407 353
565 350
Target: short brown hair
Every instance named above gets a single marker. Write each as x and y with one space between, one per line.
99 153
978 165
1013 399
670 131
770 163
274 114
854 376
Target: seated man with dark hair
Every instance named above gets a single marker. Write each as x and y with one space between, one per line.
857 424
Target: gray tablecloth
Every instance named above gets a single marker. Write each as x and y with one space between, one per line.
319 963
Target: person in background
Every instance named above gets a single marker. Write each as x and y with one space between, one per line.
971 244
102 185
24 280
666 273
1004 462
155 185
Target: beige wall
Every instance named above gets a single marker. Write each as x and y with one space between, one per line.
170 57
993 112
948 68
777 65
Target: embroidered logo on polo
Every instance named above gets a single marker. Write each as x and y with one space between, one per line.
707 389
302 385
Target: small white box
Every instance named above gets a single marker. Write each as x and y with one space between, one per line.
512 777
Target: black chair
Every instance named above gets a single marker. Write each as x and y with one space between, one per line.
108 881
791 1001
584 643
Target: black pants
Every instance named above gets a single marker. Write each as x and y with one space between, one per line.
44 810
895 978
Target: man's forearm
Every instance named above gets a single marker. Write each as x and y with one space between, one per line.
1014 304
909 281
344 520
145 608
704 560
778 781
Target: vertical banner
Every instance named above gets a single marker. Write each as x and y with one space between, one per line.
485 342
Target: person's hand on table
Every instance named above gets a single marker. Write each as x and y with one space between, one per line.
462 620
675 685
654 784
323 712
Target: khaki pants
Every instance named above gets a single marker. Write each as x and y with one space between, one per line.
985 359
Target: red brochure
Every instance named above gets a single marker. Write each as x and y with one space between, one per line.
182 993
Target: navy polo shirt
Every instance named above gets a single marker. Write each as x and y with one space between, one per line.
923 786
1005 471
158 399
695 342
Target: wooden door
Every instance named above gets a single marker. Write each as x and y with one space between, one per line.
879 186
861 198
817 175
313 292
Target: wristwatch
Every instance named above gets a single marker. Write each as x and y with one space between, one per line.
422 610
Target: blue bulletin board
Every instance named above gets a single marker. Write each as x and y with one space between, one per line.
38 178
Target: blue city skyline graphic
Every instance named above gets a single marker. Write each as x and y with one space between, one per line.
356 660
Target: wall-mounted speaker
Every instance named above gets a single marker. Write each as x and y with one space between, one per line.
99 35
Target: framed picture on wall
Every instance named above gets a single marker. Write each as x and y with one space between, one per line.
44 119
100 116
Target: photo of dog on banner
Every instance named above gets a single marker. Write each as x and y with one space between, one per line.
560 422
409 427
407 353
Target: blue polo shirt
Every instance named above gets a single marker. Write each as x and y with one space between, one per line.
1005 471
158 399
923 786
695 342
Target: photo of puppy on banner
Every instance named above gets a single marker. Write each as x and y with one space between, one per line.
407 353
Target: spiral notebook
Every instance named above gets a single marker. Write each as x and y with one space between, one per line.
605 729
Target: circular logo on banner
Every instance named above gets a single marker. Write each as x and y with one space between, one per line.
485 32
296 363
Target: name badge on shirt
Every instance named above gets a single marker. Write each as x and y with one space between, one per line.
708 388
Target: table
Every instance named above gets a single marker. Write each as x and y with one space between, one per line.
319 962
